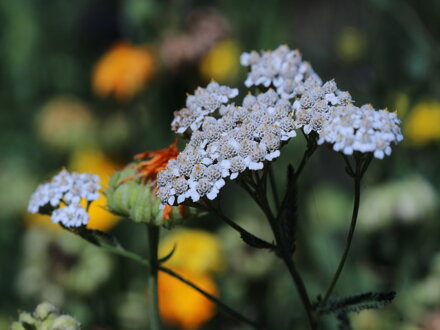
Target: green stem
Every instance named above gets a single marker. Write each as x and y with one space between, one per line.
153 299
357 194
311 147
124 253
274 188
285 255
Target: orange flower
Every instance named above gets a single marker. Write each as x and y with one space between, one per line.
182 306
123 71
148 169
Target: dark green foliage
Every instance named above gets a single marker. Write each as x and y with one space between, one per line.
357 303
254 241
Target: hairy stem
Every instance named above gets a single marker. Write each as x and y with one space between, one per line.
153 299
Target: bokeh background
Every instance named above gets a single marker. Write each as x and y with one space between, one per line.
85 85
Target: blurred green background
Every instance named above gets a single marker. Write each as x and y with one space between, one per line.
87 84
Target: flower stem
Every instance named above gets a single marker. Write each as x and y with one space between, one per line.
311 147
285 255
357 194
259 194
274 188
153 299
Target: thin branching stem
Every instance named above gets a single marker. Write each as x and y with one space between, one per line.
285 255
361 167
273 185
311 147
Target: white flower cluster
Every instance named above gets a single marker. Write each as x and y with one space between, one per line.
227 139
202 103
242 138
363 129
69 189
323 108
282 68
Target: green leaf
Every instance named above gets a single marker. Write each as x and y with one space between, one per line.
344 321
357 303
168 256
254 241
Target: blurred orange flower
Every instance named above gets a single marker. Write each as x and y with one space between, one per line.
148 169
123 71
182 306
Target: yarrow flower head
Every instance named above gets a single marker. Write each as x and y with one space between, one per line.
203 102
239 138
69 189
227 139
282 68
350 128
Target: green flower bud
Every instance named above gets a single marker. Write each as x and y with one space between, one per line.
138 202
46 324
25 317
17 326
65 322
43 310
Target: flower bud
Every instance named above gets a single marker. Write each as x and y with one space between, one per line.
43 310
17 326
25 317
65 322
131 198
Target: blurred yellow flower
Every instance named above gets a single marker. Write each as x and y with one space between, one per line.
93 161
221 63
181 305
40 220
65 123
197 251
123 71
350 44
423 123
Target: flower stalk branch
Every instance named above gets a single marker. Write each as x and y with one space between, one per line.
357 174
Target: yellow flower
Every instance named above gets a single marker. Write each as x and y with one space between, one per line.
423 123
350 44
181 305
95 162
123 71
221 63
197 251
40 220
